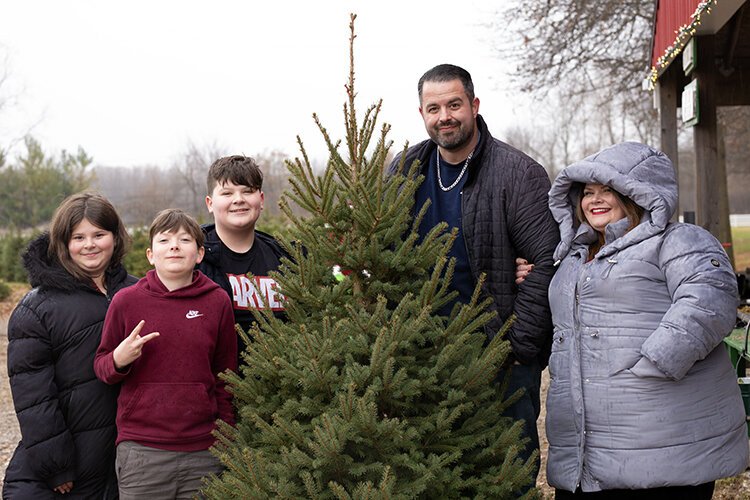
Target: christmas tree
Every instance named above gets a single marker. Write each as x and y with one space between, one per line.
364 391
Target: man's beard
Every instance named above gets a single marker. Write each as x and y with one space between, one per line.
455 141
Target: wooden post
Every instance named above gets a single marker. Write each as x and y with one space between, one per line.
725 228
668 121
712 206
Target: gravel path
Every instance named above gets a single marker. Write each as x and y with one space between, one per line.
10 434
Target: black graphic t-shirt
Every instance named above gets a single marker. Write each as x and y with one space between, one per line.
257 291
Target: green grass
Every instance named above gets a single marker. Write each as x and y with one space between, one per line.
741 244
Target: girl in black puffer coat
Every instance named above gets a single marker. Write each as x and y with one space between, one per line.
66 415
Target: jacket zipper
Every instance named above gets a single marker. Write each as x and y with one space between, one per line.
576 327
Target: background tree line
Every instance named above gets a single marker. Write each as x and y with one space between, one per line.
33 184
581 65
140 192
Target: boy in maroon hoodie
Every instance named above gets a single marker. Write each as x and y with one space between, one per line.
171 394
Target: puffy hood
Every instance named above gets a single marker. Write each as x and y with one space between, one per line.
635 170
152 285
47 272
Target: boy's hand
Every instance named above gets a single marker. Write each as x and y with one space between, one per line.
523 268
130 348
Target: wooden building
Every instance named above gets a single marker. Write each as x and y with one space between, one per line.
700 57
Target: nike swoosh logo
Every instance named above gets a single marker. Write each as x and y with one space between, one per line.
192 314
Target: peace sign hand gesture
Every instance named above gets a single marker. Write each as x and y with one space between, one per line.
131 346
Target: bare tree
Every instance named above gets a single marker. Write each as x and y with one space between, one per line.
138 192
735 121
585 59
568 127
193 164
191 169
9 99
4 101
275 179
589 45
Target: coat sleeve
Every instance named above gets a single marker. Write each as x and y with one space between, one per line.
534 235
113 332
225 358
703 287
31 369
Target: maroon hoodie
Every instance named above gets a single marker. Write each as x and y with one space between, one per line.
172 395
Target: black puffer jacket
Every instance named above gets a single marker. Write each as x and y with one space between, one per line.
66 415
505 215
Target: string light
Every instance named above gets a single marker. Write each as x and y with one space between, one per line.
683 36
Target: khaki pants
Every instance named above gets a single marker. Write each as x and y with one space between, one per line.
144 472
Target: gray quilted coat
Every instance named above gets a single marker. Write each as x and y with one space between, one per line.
642 393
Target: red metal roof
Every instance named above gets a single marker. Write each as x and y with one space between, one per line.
670 16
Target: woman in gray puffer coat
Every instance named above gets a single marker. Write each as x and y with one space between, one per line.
642 395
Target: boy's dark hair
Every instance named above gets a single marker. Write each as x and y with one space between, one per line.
98 211
239 169
446 73
174 219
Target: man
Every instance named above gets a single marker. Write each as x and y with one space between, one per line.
497 198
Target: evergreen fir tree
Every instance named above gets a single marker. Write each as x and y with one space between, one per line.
364 391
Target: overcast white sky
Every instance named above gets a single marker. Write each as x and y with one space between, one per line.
133 82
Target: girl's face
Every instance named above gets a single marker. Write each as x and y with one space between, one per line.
91 248
601 206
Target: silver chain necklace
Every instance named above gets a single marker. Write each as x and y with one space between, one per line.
458 179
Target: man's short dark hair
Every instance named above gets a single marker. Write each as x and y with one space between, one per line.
238 169
446 73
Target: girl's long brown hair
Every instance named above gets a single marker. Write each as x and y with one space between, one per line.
98 211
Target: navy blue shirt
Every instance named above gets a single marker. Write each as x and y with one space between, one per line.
446 207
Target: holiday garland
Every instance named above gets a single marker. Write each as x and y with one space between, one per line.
683 36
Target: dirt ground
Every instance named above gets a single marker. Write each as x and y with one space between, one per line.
9 433
736 488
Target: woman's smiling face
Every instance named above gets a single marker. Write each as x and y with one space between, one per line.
601 206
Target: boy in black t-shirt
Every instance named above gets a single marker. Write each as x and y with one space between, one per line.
233 247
